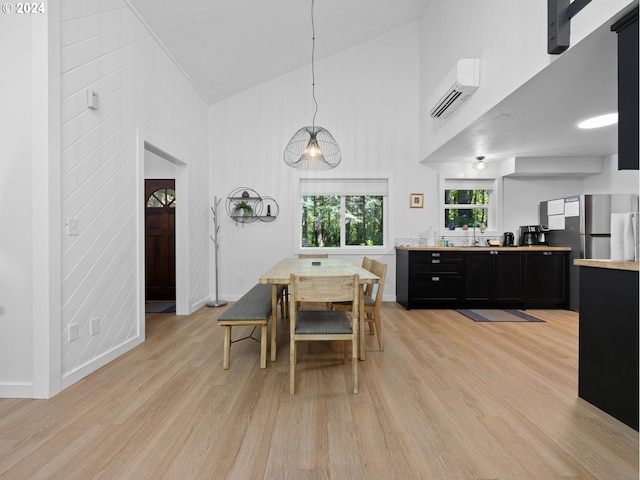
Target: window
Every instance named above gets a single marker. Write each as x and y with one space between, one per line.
469 202
164 197
466 207
342 213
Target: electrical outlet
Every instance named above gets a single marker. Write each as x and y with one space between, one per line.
73 331
94 326
241 279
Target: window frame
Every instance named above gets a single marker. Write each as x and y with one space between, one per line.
494 207
344 249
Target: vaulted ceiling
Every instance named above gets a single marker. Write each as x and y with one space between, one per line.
227 46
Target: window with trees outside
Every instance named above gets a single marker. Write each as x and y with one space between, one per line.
342 213
469 203
466 207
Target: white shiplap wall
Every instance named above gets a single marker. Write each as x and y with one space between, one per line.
106 48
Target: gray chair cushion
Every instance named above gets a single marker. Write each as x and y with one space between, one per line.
253 305
368 301
319 322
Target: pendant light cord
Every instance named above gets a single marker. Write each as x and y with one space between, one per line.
313 71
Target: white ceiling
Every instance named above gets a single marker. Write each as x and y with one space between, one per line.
539 119
228 46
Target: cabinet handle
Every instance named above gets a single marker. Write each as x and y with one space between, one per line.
435 261
546 253
435 279
434 254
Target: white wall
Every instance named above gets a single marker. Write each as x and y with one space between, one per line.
157 167
613 180
106 48
368 99
16 263
522 197
510 39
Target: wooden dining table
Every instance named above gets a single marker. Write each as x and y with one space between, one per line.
280 274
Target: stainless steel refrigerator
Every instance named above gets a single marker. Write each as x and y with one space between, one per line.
583 222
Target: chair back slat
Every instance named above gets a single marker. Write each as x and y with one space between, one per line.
324 289
366 264
380 270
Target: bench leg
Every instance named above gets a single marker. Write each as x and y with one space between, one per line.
274 328
227 347
263 346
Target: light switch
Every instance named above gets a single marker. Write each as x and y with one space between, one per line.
72 227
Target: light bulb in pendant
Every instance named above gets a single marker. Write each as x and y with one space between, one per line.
313 149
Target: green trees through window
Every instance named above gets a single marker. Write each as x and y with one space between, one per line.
466 207
325 217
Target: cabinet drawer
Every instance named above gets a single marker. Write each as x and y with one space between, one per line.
437 265
436 287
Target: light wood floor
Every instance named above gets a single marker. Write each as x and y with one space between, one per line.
448 399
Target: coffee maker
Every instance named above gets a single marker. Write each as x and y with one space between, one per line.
530 235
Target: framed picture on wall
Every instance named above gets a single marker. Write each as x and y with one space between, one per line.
417 200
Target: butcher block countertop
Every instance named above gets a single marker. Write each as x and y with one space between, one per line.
539 248
609 264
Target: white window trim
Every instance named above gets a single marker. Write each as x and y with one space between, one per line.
494 228
387 246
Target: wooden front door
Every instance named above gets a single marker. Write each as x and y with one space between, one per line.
160 203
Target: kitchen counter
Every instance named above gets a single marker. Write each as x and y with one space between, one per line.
608 264
608 337
482 277
538 248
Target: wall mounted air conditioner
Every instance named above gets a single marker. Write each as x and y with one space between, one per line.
458 86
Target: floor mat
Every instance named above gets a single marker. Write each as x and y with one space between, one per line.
498 315
160 307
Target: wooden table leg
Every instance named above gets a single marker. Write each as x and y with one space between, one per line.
274 319
361 339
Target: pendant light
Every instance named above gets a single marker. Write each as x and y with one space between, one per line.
312 148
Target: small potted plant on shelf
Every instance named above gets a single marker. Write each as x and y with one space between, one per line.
242 209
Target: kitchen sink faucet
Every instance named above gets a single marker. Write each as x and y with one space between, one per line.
477 224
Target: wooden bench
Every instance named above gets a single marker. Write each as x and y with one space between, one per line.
254 308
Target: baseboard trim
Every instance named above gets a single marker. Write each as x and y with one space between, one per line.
70 378
16 390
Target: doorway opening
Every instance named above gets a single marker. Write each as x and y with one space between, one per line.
155 163
160 258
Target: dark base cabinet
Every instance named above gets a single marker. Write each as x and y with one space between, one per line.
482 278
608 342
428 279
493 277
547 277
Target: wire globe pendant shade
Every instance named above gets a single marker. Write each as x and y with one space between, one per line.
312 148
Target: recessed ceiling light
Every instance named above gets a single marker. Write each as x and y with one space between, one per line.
599 121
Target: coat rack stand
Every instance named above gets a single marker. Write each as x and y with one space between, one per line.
214 238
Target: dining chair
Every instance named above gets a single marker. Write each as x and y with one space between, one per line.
315 255
372 303
315 325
